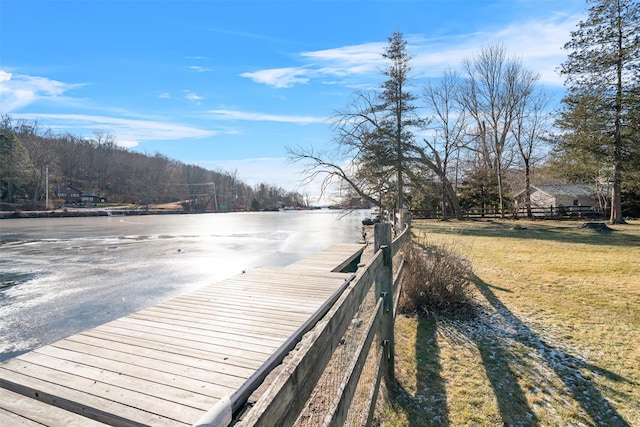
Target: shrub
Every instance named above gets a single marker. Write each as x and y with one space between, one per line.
437 280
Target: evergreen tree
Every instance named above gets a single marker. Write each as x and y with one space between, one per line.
397 107
375 132
15 166
602 71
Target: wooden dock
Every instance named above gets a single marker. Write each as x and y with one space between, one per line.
169 364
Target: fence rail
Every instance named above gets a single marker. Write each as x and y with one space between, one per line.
548 212
362 337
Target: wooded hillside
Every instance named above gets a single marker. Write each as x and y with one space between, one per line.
116 175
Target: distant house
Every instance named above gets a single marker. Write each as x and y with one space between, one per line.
69 194
560 199
89 197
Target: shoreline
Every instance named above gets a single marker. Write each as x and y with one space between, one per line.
81 213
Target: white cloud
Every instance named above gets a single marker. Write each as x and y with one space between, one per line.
192 96
357 59
262 117
164 95
537 42
128 132
20 90
279 77
540 45
199 68
338 62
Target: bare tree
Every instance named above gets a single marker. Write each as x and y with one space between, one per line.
494 90
105 146
321 166
448 127
529 129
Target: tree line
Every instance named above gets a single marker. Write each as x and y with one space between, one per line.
484 131
470 140
28 153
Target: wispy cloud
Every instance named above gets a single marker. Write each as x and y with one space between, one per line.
199 68
262 117
20 90
339 62
540 45
356 59
537 42
192 96
129 132
280 77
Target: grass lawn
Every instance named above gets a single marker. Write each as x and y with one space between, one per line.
556 341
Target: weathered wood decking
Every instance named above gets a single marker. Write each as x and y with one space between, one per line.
170 363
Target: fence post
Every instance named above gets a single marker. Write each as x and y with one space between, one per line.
384 288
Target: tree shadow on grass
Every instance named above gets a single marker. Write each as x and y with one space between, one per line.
512 402
429 405
570 233
468 332
565 366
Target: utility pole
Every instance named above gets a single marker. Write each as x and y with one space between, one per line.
215 197
46 189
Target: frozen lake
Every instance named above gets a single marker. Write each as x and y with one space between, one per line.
60 276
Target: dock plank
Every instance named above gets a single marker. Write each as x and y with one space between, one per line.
203 308
247 342
19 410
188 344
137 353
335 259
87 399
171 349
168 364
137 376
121 386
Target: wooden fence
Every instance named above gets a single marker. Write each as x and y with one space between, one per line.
288 394
550 212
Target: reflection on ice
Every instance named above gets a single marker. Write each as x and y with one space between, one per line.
63 275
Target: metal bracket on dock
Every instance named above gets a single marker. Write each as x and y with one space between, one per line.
386 347
220 415
384 295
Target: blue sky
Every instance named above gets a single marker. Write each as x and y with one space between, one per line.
230 84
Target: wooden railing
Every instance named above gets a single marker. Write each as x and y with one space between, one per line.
537 212
288 395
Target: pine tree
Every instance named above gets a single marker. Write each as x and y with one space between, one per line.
397 103
374 135
602 71
15 166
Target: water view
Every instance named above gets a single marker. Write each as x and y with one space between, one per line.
60 276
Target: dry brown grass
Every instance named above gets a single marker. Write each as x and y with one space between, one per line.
557 341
